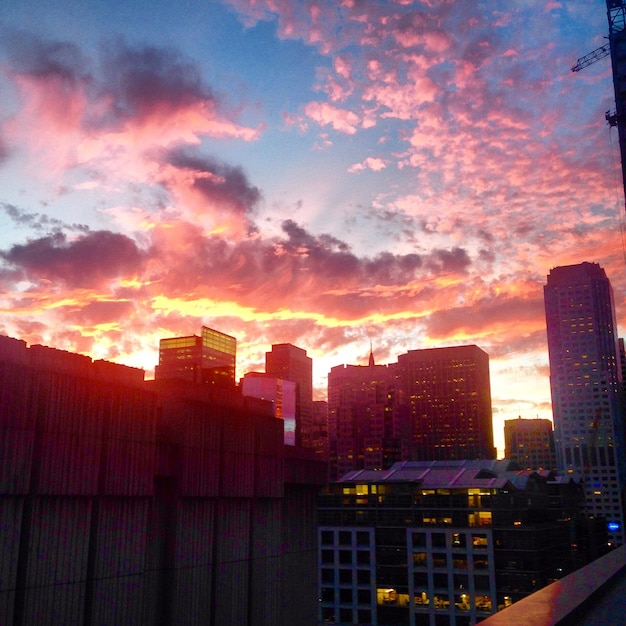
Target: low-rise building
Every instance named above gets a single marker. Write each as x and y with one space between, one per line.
442 542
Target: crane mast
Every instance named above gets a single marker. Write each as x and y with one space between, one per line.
616 13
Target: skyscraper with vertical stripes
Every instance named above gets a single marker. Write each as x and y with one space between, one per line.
586 386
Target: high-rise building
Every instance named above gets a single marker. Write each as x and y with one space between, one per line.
320 441
433 404
208 358
360 411
281 393
530 443
445 394
289 362
586 383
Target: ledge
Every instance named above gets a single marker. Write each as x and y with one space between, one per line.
565 601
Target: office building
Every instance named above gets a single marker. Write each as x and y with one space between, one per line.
586 386
530 443
282 395
445 393
209 358
289 362
148 503
361 418
320 441
442 543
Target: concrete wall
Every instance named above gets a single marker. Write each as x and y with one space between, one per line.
125 502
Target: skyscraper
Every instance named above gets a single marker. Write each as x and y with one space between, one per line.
446 394
281 393
530 443
585 382
361 419
289 362
209 358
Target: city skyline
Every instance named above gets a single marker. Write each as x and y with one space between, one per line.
321 174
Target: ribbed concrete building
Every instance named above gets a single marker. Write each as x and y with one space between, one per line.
134 503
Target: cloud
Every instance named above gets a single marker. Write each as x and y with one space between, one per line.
371 163
87 260
342 120
225 185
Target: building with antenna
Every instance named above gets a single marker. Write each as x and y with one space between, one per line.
586 386
433 404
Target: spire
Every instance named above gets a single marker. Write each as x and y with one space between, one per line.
371 363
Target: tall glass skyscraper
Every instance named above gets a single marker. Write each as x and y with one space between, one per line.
586 384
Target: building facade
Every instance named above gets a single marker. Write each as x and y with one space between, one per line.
530 443
446 395
147 503
586 386
364 434
433 404
441 543
209 358
289 362
281 393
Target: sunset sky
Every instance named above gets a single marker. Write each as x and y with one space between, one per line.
320 173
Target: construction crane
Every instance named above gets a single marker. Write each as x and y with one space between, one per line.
592 57
616 14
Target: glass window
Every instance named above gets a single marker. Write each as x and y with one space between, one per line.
345 596
364 596
345 576
345 537
363 577
328 594
363 557
345 557
328 575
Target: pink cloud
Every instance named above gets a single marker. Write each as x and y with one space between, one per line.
342 120
372 163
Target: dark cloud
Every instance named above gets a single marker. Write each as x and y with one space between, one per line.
226 185
141 80
39 221
42 58
86 261
455 260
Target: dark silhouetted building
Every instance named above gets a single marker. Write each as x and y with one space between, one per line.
530 443
586 386
209 358
320 441
362 430
148 503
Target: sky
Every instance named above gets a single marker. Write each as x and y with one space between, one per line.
400 174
